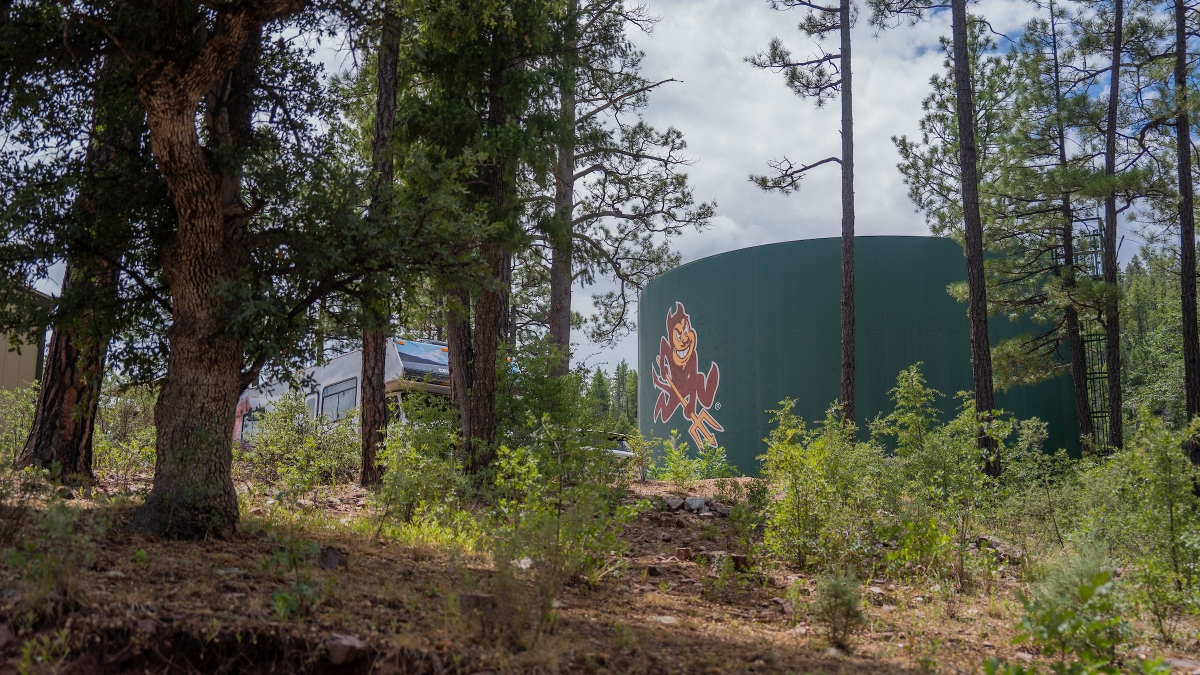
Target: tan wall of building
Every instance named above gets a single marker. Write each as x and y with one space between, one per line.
18 370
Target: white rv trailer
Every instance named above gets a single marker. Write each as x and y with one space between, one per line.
335 388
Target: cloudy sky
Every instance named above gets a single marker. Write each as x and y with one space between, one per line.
736 117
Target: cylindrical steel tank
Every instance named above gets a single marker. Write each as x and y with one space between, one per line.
746 329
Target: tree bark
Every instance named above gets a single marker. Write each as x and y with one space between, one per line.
1112 319
72 380
1187 226
193 495
847 389
562 239
1083 408
491 312
981 352
461 359
373 408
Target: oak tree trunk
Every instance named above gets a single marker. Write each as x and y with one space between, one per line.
1112 320
373 408
847 388
981 353
193 494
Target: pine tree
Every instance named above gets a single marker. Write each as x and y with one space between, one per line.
619 194
814 79
885 13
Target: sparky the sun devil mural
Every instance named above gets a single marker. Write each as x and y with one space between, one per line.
680 383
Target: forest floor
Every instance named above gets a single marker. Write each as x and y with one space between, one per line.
134 604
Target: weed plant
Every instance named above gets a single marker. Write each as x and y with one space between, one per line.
125 433
49 562
16 417
557 521
291 449
837 608
826 481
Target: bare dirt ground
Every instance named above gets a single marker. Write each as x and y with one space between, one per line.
146 605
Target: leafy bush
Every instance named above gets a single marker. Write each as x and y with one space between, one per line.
291 448
828 486
937 474
16 418
1076 617
837 608
642 463
125 433
678 469
556 520
1075 613
1141 505
682 470
711 462
422 475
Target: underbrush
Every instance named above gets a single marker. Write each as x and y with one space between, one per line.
924 510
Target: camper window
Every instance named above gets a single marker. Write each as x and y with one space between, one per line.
339 399
249 424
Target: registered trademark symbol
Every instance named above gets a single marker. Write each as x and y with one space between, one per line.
717 406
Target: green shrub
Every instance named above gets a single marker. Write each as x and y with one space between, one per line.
16 418
125 432
678 469
557 519
937 472
828 484
837 609
711 462
1141 506
299 453
421 474
642 463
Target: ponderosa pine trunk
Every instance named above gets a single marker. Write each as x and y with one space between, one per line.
72 380
372 410
461 360
1112 318
562 240
977 312
193 495
1083 408
491 314
1187 227
847 388
562 244
373 407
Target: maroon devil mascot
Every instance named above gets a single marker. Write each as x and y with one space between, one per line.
680 381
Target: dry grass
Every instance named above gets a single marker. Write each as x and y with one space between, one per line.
205 606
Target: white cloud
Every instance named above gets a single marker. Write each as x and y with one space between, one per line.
736 117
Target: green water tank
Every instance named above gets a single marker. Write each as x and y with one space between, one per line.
762 324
